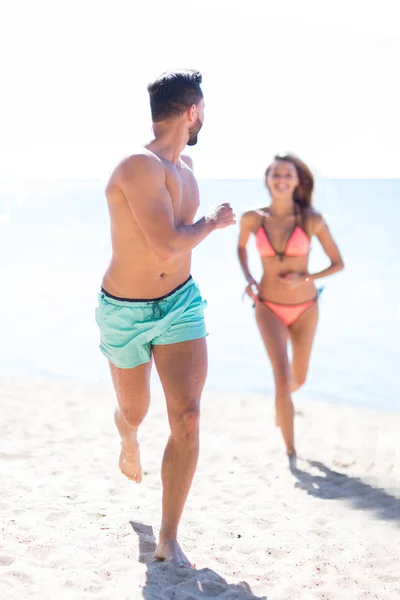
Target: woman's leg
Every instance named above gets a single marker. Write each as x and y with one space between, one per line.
275 337
302 333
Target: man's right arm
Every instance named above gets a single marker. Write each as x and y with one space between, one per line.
143 184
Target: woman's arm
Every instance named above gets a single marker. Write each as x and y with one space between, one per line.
242 254
248 224
321 230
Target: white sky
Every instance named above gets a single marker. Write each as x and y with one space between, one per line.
316 77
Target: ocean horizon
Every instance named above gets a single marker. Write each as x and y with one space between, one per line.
54 247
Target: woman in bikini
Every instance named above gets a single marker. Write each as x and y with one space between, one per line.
286 299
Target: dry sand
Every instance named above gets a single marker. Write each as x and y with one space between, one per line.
74 528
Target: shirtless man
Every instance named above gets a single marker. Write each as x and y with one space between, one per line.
149 306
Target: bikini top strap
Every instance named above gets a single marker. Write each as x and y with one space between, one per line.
296 214
299 216
263 215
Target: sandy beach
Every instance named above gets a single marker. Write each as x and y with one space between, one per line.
74 528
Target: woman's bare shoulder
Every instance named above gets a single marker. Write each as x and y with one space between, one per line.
252 217
315 219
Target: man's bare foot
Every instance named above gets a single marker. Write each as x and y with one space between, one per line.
170 551
129 459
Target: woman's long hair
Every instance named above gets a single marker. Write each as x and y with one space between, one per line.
303 194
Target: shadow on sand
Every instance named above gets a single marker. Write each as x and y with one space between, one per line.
166 582
331 485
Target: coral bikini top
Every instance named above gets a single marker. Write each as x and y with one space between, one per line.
298 243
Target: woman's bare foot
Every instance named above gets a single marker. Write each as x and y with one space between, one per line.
170 551
292 456
129 459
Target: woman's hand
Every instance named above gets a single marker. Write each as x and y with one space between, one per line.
293 280
252 289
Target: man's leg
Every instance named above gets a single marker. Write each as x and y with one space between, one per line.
132 387
182 368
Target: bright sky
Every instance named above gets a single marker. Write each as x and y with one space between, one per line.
315 77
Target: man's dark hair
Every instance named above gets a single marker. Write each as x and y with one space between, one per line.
174 92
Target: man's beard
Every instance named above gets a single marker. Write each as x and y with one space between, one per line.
194 132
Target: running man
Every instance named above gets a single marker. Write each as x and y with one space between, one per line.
149 305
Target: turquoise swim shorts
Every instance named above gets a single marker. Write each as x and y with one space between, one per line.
129 328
